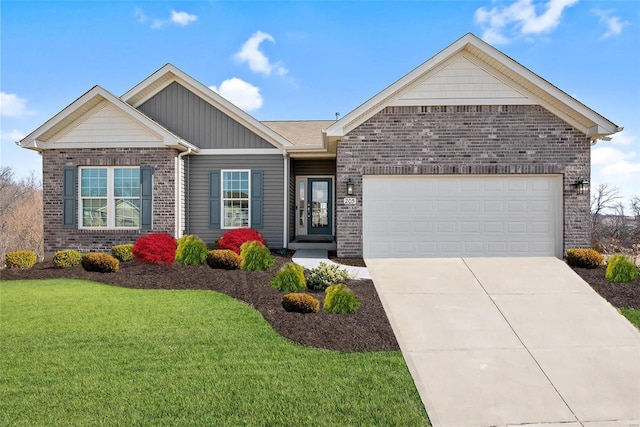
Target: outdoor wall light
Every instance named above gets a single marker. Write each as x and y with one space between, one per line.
349 187
582 186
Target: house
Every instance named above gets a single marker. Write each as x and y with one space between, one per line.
469 154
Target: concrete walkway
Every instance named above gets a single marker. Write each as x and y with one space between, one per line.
311 258
503 341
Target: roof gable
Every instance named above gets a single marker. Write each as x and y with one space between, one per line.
168 74
90 121
470 72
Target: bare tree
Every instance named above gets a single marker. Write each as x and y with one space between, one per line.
21 226
603 199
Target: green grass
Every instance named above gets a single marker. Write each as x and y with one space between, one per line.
632 314
80 353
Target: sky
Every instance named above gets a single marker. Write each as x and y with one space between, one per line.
304 60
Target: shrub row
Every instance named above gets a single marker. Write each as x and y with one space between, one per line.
338 299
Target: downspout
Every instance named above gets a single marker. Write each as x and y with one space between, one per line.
178 180
285 234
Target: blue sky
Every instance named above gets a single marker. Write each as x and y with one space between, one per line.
309 60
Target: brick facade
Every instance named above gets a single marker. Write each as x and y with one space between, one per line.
520 139
164 196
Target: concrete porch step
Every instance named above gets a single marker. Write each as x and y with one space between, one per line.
328 246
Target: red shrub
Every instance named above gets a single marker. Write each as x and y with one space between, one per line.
155 249
235 238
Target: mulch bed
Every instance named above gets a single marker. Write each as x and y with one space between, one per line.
620 295
366 330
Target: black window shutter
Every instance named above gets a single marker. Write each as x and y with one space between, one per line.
214 199
69 204
146 197
257 181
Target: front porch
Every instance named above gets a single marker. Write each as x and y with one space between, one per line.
313 242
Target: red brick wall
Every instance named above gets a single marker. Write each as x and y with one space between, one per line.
520 139
57 238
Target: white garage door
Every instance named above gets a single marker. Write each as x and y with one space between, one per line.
453 216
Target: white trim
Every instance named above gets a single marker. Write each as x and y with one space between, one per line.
222 199
236 151
111 217
208 96
460 101
469 42
34 141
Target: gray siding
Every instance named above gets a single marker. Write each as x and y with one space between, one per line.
189 116
273 197
310 167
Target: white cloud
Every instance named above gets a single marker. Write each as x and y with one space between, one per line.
258 62
182 18
243 94
177 17
520 18
12 136
614 24
617 166
11 105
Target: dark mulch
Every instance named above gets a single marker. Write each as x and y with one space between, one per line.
355 262
366 330
620 295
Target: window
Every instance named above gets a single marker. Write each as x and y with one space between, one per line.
110 197
235 198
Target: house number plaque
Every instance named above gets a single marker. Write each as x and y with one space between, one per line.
349 200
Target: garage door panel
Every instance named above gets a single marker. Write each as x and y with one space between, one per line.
462 216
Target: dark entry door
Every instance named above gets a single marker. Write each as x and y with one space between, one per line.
319 206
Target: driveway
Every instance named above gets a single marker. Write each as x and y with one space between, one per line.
511 341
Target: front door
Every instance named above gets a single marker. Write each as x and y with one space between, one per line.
319 206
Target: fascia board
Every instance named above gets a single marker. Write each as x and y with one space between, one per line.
211 97
29 140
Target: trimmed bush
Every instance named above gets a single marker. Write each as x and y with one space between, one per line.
255 256
156 248
300 303
123 252
234 239
20 259
191 250
620 268
340 300
223 258
290 278
325 275
584 258
67 258
100 262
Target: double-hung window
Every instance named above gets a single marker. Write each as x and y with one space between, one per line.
109 197
236 198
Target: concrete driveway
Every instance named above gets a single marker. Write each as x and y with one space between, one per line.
504 341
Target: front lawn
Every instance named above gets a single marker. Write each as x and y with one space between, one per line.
75 352
632 315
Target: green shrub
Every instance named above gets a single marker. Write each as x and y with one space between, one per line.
300 303
100 262
67 258
20 259
620 268
255 256
123 253
325 275
340 300
290 278
191 250
584 258
223 258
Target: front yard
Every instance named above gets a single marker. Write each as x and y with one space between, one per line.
75 352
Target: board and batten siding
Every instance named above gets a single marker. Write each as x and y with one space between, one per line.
194 119
273 194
